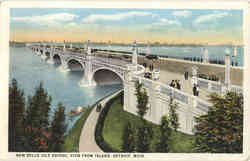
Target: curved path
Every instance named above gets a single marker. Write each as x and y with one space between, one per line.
87 138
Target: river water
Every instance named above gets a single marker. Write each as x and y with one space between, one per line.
29 70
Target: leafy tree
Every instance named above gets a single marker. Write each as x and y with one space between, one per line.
164 141
173 116
129 138
142 99
58 128
16 116
221 129
145 134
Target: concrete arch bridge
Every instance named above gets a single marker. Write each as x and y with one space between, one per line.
101 70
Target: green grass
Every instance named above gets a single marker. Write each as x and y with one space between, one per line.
116 120
72 140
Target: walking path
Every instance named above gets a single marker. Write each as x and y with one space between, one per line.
87 138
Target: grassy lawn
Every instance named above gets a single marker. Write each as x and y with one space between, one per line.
73 138
117 119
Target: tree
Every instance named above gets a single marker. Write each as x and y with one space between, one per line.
38 108
129 138
221 129
173 116
145 134
16 116
58 128
37 120
142 99
163 145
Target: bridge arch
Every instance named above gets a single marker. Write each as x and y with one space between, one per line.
47 53
75 64
106 76
57 59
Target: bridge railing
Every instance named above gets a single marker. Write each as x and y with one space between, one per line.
203 105
110 60
178 95
236 89
217 87
211 86
118 68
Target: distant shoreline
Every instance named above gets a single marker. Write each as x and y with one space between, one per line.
138 44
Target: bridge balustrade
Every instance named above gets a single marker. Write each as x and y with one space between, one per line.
210 85
216 87
119 69
166 90
203 84
236 89
110 61
147 82
203 105
182 97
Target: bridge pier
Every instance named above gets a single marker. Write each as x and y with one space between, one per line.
43 55
37 51
88 75
64 66
51 53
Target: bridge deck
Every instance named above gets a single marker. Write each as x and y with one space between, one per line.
186 85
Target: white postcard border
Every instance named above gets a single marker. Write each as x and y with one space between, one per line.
4 66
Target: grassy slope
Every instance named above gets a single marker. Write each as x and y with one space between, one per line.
117 119
73 138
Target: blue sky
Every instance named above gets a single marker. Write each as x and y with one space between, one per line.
124 25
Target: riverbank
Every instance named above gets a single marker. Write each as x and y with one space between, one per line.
72 140
181 66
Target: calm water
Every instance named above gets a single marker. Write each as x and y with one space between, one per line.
29 69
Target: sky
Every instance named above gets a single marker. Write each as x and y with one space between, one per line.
173 26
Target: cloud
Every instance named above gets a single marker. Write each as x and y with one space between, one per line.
210 17
47 19
114 17
184 13
165 21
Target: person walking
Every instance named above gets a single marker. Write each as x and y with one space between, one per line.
186 75
97 108
172 83
197 90
194 90
175 84
178 85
